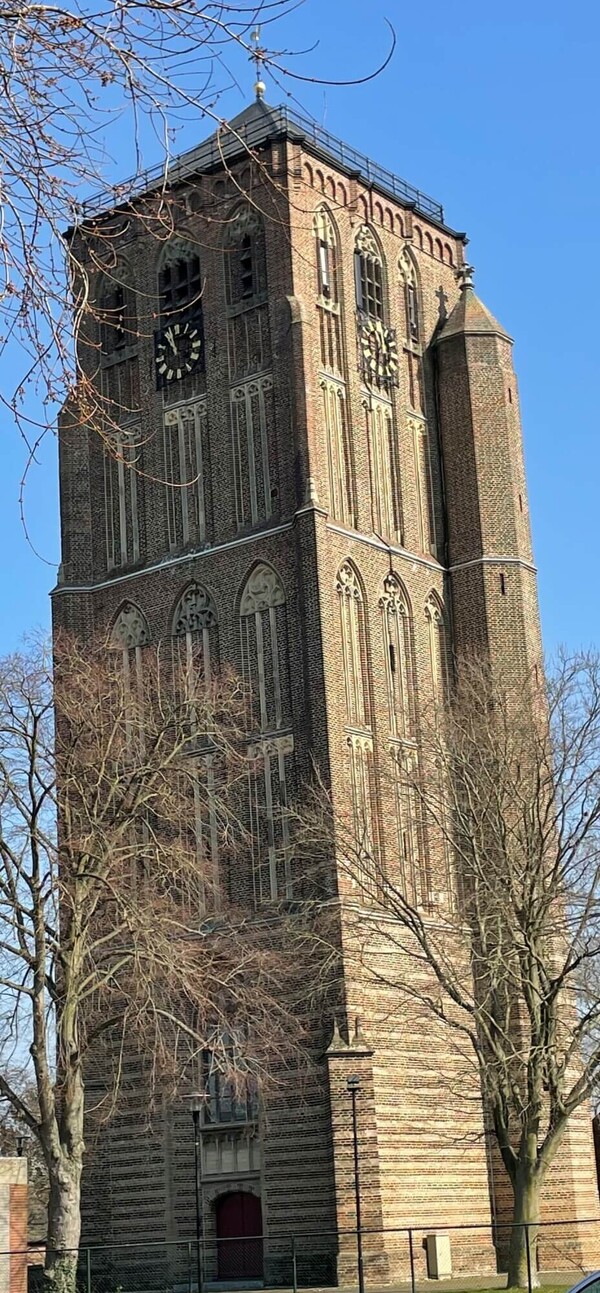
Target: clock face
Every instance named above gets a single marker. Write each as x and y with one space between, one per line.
378 353
179 349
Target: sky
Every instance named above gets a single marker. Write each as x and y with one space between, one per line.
492 110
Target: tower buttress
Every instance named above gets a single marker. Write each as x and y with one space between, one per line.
492 576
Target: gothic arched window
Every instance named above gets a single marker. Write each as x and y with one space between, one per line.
359 738
368 275
194 633
399 665
265 665
327 256
410 283
130 633
245 258
179 281
195 627
354 647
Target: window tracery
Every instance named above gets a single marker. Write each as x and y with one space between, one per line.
121 465
354 646
263 624
327 257
194 630
187 474
386 503
342 493
368 275
399 658
130 629
253 447
409 281
179 280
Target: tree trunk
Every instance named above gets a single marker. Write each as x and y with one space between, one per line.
523 1269
64 1226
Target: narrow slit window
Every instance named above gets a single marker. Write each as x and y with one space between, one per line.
412 312
324 270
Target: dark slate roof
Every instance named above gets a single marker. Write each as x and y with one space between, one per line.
470 317
252 128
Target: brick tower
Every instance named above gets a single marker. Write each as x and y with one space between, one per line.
340 417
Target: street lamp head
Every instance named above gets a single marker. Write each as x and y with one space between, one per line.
353 1083
196 1101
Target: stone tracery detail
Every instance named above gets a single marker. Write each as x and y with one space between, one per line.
187 474
263 590
195 612
366 242
130 628
245 223
253 431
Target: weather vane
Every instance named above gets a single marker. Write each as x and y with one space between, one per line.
258 57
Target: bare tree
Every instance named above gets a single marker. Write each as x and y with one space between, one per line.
81 81
497 938
115 936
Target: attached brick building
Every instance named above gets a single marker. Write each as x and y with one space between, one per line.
307 351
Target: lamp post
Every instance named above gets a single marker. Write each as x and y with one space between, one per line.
196 1103
353 1085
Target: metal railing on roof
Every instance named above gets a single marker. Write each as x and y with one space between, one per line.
274 122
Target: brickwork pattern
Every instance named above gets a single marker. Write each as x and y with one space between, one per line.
449 524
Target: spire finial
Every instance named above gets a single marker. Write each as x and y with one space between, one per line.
258 58
464 277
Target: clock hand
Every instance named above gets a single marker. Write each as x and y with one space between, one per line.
169 338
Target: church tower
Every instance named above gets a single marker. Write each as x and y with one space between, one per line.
316 476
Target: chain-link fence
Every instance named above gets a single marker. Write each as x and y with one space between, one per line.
459 1257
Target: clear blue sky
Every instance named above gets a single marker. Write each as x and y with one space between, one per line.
492 109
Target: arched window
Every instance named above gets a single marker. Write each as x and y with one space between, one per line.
384 468
410 283
188 485
130 633
327 256
179 281
195 639
130 630
368 275
263 624
245 258
195 628
340 464
438 649
354 647
359 738
399 658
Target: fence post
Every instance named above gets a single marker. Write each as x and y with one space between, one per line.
88 1270
412 1260
294 1266
528 1256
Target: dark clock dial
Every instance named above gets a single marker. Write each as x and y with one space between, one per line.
179 349
378 353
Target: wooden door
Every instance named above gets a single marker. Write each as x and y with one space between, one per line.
239 1237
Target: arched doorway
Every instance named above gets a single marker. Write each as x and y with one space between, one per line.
239 1237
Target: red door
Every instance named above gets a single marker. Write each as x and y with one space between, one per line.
239 1237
